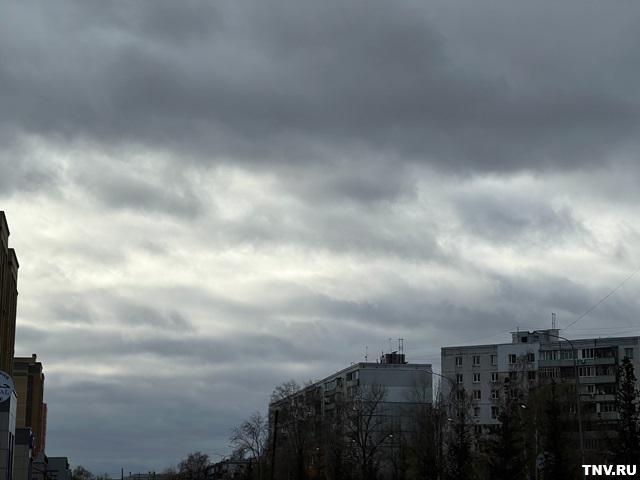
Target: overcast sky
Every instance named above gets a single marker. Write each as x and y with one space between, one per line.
210 198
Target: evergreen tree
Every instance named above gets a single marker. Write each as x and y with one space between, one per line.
625 449
556 462
505 448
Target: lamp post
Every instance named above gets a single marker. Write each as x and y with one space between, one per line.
575 369
461 425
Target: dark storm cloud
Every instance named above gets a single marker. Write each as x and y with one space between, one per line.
124 191
19 170
297 83
501 216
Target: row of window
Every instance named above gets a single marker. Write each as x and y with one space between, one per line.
584 353
495 376
513 359
603 407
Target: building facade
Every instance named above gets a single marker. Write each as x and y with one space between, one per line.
8 297
357 417
28 380
487 373
23 456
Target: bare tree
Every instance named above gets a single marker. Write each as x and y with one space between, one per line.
295 421
426 437
251 436
81 473
195 466
366 427
459 438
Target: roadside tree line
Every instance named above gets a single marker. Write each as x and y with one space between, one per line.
364 437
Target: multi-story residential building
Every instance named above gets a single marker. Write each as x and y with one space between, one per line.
398 378
539 357
362 407
8 297
28 381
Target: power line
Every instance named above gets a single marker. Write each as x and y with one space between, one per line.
610 293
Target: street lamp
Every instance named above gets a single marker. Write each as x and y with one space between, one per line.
575 369
461 427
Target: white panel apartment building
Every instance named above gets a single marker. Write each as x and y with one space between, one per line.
540 355
398 378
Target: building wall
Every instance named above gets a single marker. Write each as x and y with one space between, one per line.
28 379
538 357
22 459
7 435
8 297
58 468
401 381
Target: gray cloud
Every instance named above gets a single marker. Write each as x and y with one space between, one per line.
288 84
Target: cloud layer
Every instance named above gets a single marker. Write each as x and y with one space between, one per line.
210 198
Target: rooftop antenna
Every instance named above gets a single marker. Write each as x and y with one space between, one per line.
366 354
553 320
401 345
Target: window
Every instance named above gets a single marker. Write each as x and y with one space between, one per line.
512 359
553 372
494 359
628 352
476 360
514 393
477 429
513 375
477 394
587 371
495 412
476 411
458 361
531 374
494 376
460 395
587 353
566 355
459 378
476 378
495 394
531 357
607 407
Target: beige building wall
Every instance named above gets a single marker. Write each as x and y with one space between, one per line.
28 380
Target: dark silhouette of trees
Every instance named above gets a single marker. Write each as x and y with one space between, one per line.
625 447
459 438
505 448
295 422
194 467
251 436
556 463
366 429
81 473
426 434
